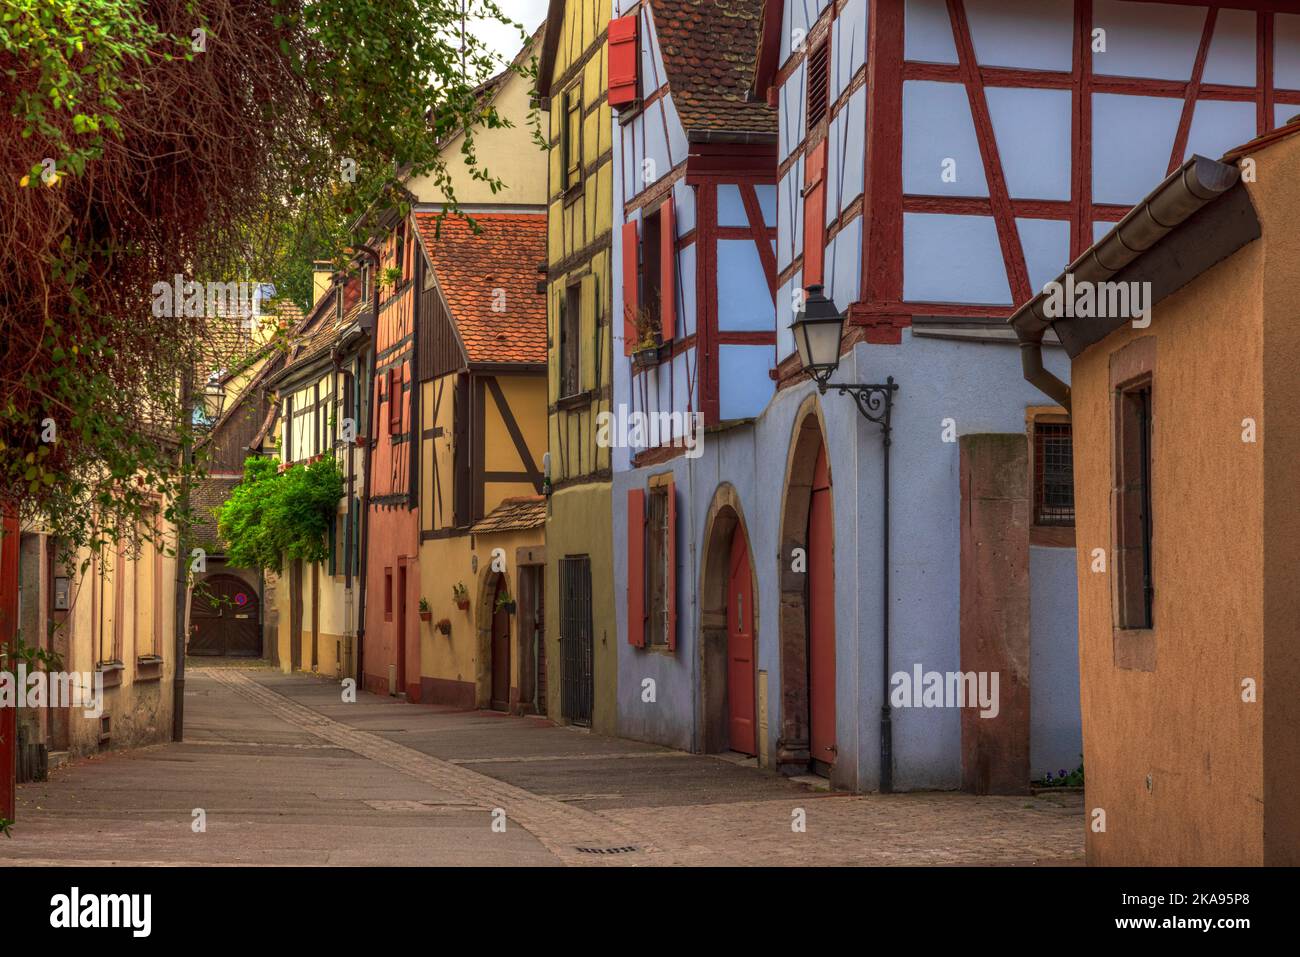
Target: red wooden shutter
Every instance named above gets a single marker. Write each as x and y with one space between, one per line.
636 567
814 215
670 573
631 288
623 55
667 269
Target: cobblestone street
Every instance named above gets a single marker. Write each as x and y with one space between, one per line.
282 771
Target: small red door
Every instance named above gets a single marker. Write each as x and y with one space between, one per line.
821 617
401 630
500 650
740 648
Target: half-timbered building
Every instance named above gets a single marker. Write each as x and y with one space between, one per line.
390 644
936 161
482 381
695 198
571 84
319 386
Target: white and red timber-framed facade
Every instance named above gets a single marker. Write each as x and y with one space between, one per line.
960 153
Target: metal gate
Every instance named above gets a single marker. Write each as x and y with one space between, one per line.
575 639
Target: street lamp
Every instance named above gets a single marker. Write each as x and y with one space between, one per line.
818 330
212 400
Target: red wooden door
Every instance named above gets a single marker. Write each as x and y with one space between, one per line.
401 629
500 651
821 616
740 648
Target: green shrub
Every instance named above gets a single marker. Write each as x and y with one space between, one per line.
273 516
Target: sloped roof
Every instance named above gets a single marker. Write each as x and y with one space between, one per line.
512 515
1290 128
708 49
492 269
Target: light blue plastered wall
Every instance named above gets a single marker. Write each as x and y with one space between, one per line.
938 379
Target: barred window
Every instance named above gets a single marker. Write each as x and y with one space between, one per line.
1053 474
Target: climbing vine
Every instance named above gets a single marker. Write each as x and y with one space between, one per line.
274 516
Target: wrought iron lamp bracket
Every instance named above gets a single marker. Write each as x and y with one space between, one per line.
875 402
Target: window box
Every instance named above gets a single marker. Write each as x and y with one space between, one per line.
646 357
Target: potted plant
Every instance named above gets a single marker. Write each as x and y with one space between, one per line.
645 352
444 626
506 601
426 613
461 595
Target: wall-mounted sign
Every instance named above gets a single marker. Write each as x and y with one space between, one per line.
60 594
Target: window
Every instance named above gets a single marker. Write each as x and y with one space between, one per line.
570 341
1053 473
399 252
819 81
333 545
394 400
1132 496
286 450
650 271
571 137
388 594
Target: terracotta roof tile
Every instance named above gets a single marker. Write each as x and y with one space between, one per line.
494 268
709 48
513 514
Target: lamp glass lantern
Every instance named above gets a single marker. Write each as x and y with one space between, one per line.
213 399
818 330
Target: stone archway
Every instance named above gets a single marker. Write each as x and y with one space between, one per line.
807 440
484 615
725 520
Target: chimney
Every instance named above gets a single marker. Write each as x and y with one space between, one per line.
322 272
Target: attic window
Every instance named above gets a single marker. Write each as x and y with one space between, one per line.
819 81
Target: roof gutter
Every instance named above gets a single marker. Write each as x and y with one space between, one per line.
1186 191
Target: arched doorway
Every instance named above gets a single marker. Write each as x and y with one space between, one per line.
821 618
728 640
225 618
499 699
740 647
807 625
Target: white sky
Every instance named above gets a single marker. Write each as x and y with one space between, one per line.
503 39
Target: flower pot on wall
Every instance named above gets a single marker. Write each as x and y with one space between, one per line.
426 616
444 626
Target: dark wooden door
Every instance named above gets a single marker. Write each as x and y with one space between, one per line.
295 615
576 690
500 650
821 617
315 616
224 618
539 630
740 648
